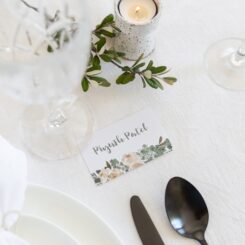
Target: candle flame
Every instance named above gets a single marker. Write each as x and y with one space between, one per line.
137 9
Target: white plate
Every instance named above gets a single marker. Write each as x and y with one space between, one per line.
68 213
38 231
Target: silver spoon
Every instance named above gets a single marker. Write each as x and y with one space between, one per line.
186 209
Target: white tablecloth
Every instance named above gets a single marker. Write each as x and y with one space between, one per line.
204 122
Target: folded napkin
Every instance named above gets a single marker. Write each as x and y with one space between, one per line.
13 173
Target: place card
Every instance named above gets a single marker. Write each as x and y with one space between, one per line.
125 145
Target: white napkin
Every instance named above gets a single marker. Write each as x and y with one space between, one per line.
13 177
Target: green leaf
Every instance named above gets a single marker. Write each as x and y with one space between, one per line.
117 60
170 80
85 84
93 68
149 66
106 33
158 70
111 52
125 78
151 83
138 60
101 43
50 49
108 165
157 82
113 55
108 19
90 60
96 61
139 66
120 54
116 28
143 81
100 80
127 68
93 48
106 58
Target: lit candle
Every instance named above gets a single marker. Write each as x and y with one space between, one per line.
138 11
137 20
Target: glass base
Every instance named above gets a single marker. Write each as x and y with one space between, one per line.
224 66
58 135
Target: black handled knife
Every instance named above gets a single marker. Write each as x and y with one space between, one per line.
145 227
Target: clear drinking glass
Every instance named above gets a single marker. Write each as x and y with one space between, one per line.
44 49
225 63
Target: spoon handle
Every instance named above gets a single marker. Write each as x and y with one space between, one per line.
203 242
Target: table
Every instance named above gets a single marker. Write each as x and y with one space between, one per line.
204 122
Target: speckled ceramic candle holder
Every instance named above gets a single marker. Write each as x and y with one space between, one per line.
136 39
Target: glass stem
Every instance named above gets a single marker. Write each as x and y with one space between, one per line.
56 114
57 118
238 57
57 110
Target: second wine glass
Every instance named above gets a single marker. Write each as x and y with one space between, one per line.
225 63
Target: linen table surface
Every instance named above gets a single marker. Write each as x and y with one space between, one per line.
205 123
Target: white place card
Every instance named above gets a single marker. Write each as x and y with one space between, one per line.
125 145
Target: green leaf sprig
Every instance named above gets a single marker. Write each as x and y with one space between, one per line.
150 75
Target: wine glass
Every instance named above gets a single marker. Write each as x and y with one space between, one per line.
44 50
225 63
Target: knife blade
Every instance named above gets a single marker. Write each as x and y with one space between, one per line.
144 225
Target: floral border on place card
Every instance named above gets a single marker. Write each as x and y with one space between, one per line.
130 161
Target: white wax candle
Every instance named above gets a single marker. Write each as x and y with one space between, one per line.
138 11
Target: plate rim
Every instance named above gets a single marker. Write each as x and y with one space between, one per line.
80 203
44 220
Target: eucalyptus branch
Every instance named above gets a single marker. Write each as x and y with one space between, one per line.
116 64
149 74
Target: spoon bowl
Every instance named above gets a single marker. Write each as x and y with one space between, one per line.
186 209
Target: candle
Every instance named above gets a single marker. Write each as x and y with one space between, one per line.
138 11
137 20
